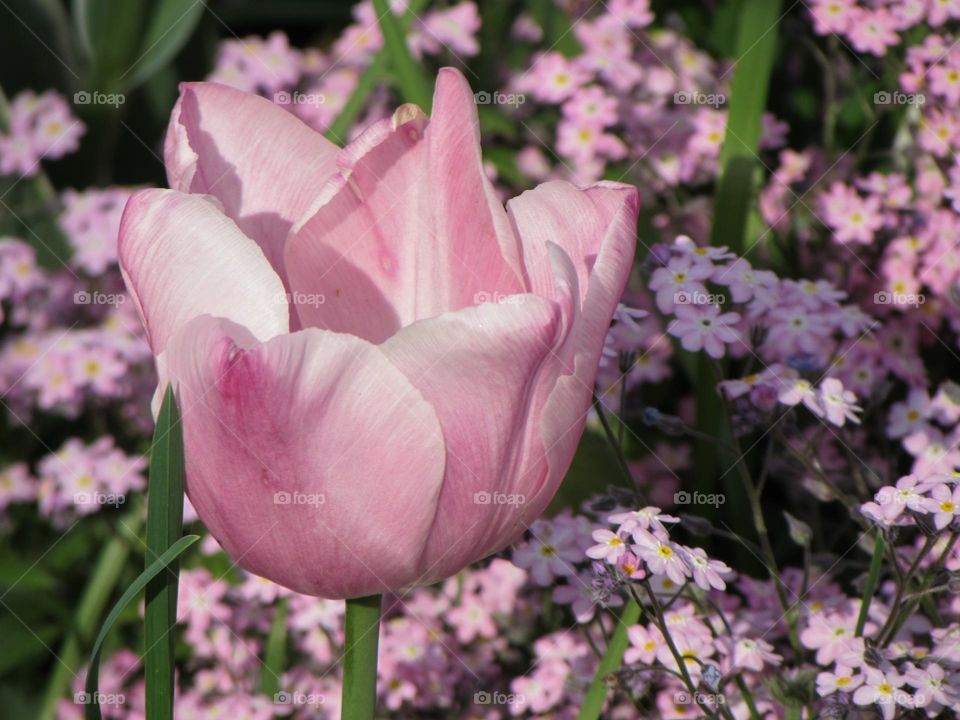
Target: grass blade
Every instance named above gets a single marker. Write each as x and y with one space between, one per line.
92 707
337 132
756 46
612 659
164 528
873 578
410 79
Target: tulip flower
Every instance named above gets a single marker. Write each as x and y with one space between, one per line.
383 373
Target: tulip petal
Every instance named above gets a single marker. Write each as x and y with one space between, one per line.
596 228
312 460
182 257
411 228
263 163
478 367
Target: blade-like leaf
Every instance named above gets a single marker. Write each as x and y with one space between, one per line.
164 528
168 29
337 132
756 45
91 687
109 33
611 661
127 41
276 656
411 80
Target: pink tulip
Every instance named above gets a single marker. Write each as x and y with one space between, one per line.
383 374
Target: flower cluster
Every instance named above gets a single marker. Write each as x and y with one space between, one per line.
41 127
873 27
315 86
78 479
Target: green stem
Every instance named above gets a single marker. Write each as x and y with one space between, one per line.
360 658
611 661
617 448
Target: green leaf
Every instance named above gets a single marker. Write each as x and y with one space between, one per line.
873 578
168 29
756 46
127 41
92 708
164 528
611 661
108 31
410 79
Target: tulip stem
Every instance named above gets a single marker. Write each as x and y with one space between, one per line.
360 658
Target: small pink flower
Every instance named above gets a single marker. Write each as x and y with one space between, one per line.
832 16
842 679
933 688
647 518
749 653
703 327
839 405
873 31
707 573
680 277
644 645
610 546
828 635
944 503
910 415
661 556
592 106
801 391
881 689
